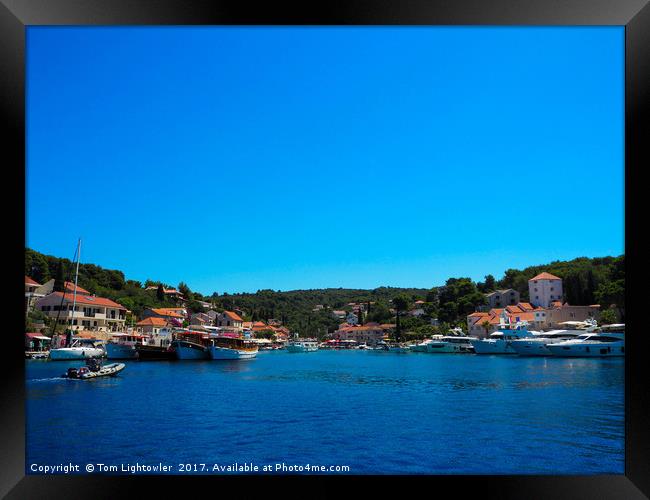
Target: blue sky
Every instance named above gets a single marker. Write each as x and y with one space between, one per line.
244 158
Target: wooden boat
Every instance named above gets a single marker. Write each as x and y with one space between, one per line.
155 353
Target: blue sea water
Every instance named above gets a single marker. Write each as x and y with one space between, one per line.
375 412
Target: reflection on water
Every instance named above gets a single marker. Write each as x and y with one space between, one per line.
385 414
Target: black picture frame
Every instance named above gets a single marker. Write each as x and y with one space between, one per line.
15 15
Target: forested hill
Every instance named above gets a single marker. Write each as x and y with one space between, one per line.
586 281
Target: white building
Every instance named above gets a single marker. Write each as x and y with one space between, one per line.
544 289
90 312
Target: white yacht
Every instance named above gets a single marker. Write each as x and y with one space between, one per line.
450 344
302 345
79 349
608 340
537 345
500 342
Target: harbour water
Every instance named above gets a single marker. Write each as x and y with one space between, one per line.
378 413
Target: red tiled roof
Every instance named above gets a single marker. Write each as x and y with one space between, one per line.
167 312
90 300
525 306
233 316
69 286
152 322
514 309
544 276
29 281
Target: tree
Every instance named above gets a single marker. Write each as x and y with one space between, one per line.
401 303
486 326
160 293
59 280
607 317
185 290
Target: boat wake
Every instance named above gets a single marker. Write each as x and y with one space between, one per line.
50 379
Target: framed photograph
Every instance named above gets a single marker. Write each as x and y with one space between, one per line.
372 245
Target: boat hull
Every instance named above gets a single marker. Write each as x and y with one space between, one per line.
190 351
121 351
528 348
105 371
217 353
155 353
588 350
493 347
446 348
301 348
69 353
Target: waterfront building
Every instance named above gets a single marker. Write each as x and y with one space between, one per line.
544 289
367 334
502 298
90 312
170 293
230 319
152 325
175 316
32 293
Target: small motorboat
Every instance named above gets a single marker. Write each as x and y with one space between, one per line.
94 369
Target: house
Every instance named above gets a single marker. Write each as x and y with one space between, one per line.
544 289
173 315
502 298
90 312
352 319
230 319
318 307
170 293
152 325
417 311
557 314
481 324
369 334
339 314
200 319
538 318
32 293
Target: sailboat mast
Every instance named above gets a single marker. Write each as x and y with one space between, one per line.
76 277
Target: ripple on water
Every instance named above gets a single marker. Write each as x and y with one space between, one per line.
380 414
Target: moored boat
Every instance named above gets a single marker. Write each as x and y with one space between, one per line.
79 349
302 345
537 344
450 344
224 347
500 342
123 346
190 345
606 341
155 353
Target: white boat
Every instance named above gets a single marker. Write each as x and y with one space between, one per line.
79 349
221 347
304 345
500 342
606 341
123 346
446 344
537 345
94 370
